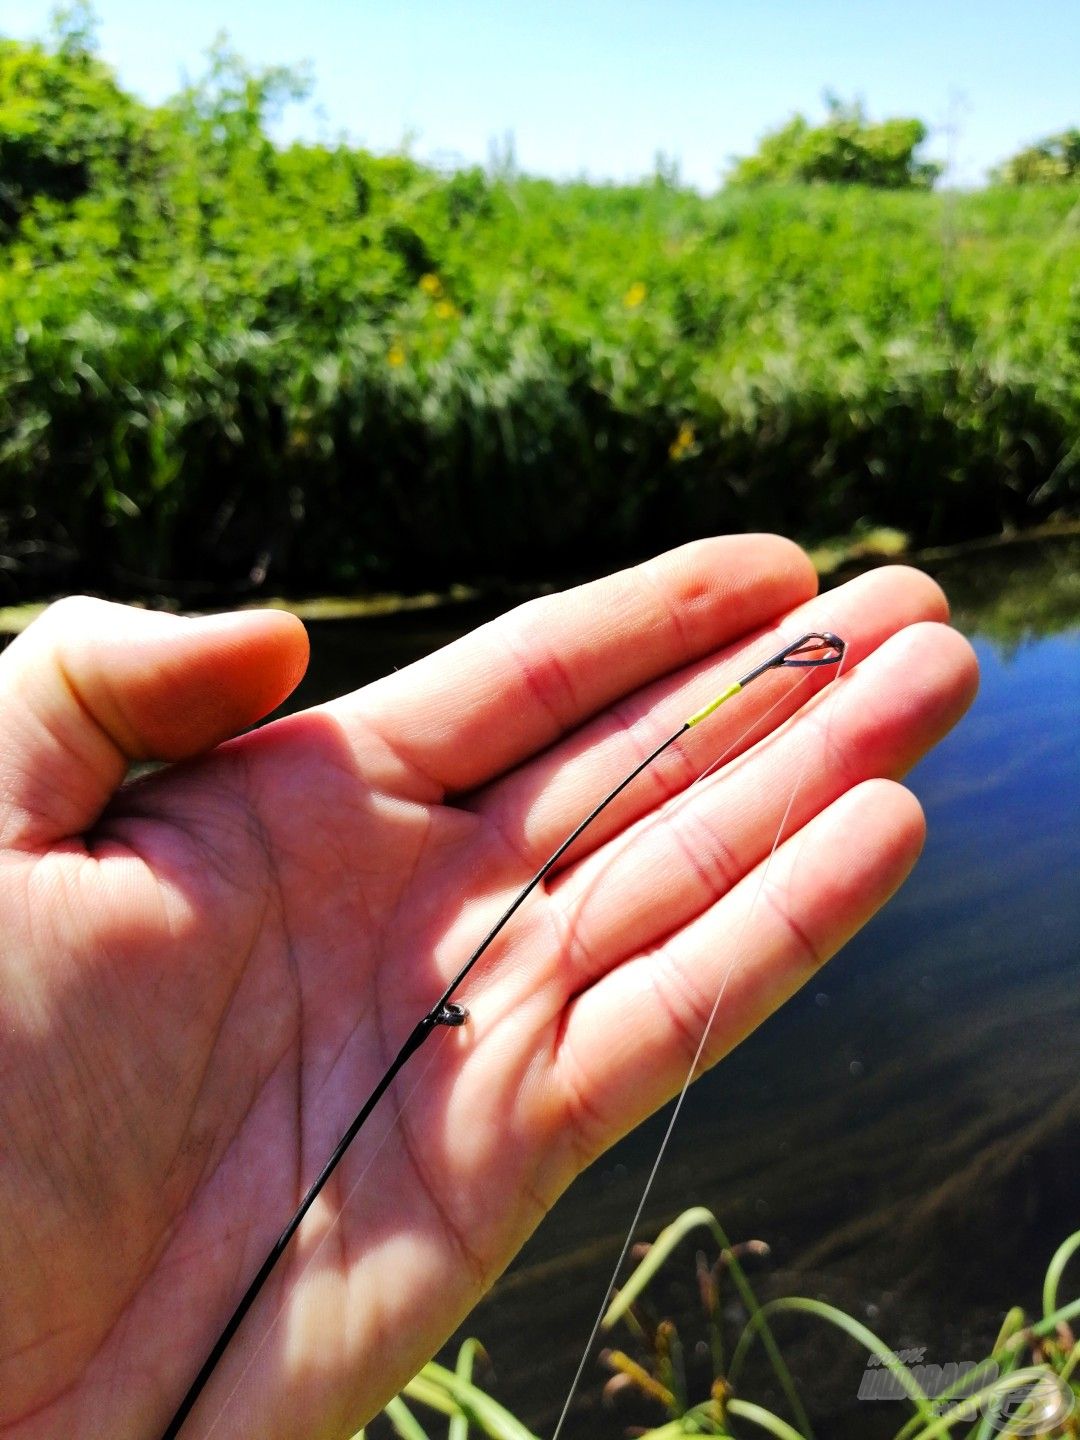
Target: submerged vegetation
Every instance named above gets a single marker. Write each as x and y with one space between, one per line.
226 364
1028 1385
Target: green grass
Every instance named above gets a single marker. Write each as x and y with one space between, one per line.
224 364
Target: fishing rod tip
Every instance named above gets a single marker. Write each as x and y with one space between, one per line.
819 647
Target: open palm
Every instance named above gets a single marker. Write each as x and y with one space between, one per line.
203 974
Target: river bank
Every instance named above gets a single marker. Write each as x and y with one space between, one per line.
835 562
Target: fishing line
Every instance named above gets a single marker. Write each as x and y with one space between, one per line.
669 1129
811 651
714 765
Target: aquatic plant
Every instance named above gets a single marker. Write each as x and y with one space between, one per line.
1029 1384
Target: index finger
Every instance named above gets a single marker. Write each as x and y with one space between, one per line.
481 705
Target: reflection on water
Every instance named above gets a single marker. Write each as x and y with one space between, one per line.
904 1133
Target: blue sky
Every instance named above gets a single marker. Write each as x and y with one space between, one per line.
599 86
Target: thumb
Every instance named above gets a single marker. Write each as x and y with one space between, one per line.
92 686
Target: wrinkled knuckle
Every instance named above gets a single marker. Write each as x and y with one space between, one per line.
682 611
685 1008
710 856
586 1131
544 674
808 953
580 961
840 760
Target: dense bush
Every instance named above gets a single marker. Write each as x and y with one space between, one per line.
848 149
1053 161
66 127
224 362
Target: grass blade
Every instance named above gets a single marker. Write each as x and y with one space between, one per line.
858 1332
763 1419
661 1249
1062 1255
404 1421
459 1425
485 1413
1017 1380
698 1216
426 1391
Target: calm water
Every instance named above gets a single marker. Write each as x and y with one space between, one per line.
905 1133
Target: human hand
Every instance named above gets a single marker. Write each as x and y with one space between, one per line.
203 974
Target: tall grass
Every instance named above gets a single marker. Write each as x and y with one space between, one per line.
225 361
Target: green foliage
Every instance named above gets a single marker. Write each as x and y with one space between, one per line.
226 110
66 128
846 150
1032 1372
1053 161
224 361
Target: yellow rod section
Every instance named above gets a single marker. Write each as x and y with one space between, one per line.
706 710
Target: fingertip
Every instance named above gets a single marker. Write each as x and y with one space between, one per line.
722 586
92 686
958 650
260 655
790 559
909 819
287 648
932 597
893 824
756 560
942 659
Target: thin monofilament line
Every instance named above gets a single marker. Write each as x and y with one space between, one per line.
399 1113
669 1129
668 1132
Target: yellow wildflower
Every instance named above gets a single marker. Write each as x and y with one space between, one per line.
684 441
635 296
395 356
445 310
431 285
